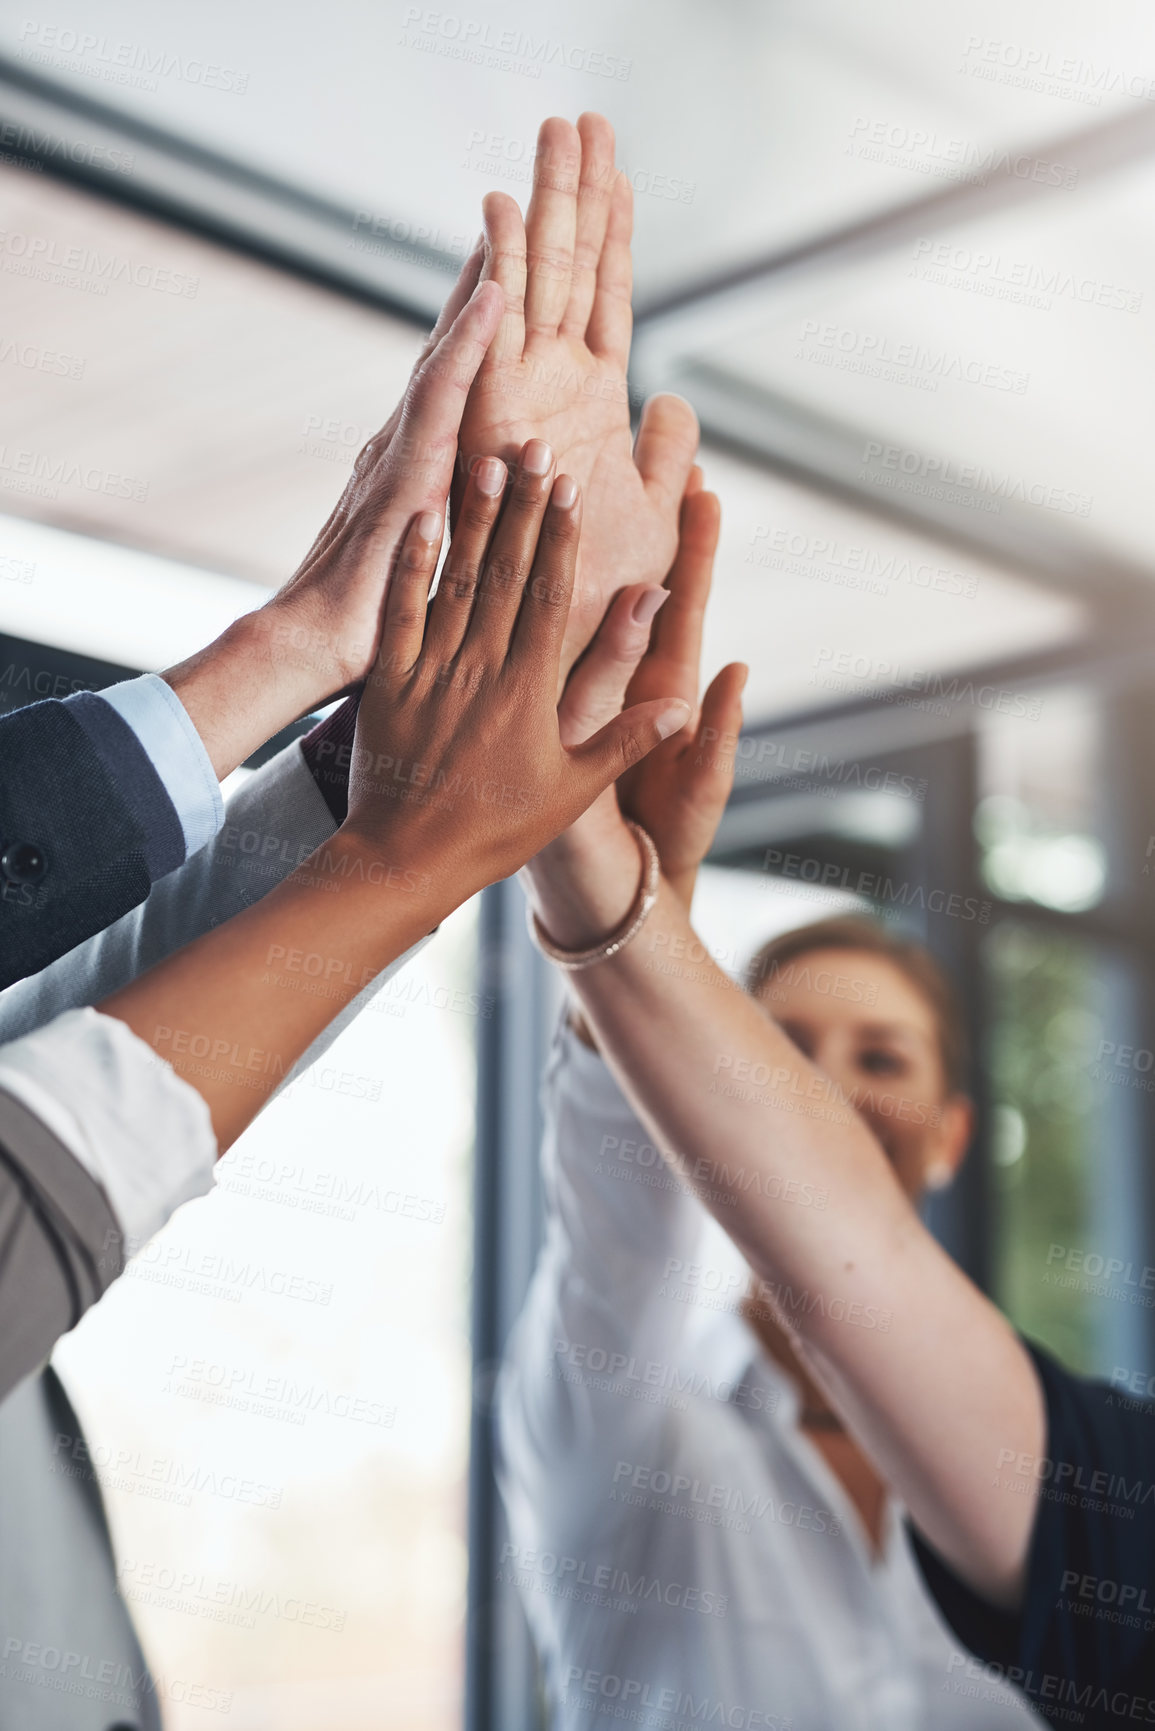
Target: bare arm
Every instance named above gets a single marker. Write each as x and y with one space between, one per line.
929 1374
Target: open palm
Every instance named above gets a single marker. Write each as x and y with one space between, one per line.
557 368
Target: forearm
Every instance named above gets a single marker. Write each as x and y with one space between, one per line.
943 1384
225 1016
248 684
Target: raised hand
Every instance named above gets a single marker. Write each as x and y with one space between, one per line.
591 872
680 792
318 635
459 774
459 763
558 366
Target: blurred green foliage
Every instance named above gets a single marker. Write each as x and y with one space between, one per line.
1042 1026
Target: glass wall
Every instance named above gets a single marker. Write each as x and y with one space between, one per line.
277 1394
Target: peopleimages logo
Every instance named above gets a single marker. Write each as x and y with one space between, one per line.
913 467
925 151
664 1492
901 362
826 875
1070 77
885 682
650 1703
119 62
581 1577
1024 282
509 49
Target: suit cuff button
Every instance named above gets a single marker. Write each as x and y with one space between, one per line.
23 862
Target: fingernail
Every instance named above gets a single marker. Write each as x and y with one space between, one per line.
648 605
429 525
489 476
673 717
537 458
565 492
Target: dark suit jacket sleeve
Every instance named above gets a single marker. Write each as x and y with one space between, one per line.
86 827
60 1244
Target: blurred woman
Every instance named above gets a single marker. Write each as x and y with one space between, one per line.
692 1525
1030 1492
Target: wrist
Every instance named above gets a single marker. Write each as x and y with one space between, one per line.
581 887
237 693
682 883
384 898
354 854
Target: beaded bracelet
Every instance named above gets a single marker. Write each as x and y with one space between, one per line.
573 960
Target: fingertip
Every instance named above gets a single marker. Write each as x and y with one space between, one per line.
536 458
488 301
565 493
672 718
703 510
500 214
708 512
428 526
675 413
556 132
648 605
595 131
494 206
489 475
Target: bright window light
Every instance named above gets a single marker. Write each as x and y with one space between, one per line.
115 603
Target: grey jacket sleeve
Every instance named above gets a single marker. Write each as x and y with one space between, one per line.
61 1235
60 1243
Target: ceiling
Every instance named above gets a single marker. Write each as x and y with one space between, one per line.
901 262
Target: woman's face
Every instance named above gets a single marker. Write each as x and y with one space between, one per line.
861 1021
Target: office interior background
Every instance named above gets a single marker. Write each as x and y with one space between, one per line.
901 259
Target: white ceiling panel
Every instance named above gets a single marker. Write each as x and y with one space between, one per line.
1021 343
827 604
1013 339
745 127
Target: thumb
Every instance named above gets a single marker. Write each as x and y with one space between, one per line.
459 296
626 739
596 689
665 447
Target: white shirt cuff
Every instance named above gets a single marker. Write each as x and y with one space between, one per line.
161 722
141 1132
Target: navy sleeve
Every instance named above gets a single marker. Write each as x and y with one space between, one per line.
86 826
1082 1647
328 753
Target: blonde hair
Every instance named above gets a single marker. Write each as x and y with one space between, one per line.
860 932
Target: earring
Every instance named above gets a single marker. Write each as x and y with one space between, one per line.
938 1175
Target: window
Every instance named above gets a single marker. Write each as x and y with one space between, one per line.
277 1394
